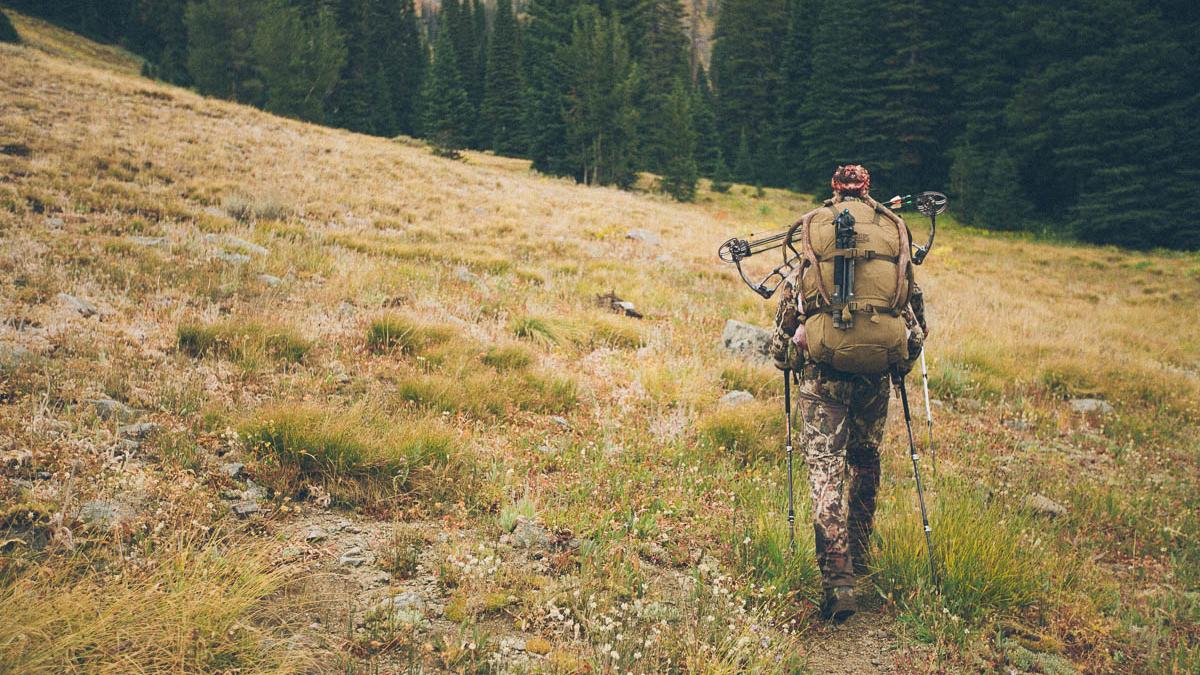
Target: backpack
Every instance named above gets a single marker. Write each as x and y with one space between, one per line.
866 333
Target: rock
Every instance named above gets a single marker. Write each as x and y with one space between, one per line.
315 534
528 534
735 398
547 449
80 305
270 280
233 469
14 356
232 258
611 301
745 339
109 409
139 431
253 491
655 553
538 645
1088 406
463 274
404 608
250 247
245 509
103 515
644 236
353 557
560 421
55 222
1016 424
146 241
1044 506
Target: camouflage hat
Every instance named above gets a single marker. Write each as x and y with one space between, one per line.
852 179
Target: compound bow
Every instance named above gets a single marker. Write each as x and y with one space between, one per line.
931 204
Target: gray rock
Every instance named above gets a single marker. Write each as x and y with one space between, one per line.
270 280
547 449
463 274
1016 424
528 534
55 222
746 339
404 608
80 305
315 534
103 515
108 409
232 258
736 398
245 509
146 241
244 245
14 356
139 431
1089 406
233 469
1044 506
644 236
353 557
253 491
655 553
560 421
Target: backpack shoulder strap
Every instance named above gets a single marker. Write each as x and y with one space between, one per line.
904 264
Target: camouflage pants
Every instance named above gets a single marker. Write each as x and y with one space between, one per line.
843 423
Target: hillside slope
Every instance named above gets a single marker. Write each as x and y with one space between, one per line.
279 397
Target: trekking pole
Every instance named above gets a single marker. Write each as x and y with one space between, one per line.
787 404
917 476
928 413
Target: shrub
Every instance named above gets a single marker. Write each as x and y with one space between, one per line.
751 431
356 458
508 358
396 333
242 341
248 208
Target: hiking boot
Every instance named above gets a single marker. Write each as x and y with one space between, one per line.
839 603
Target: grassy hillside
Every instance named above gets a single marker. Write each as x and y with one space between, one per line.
275 397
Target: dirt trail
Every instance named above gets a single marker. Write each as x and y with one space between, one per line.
866 643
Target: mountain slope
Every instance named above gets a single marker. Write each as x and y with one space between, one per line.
376 391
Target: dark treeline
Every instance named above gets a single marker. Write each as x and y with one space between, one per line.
1076 117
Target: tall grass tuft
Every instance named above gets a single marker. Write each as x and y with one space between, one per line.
761 544
509 357
543 331
987 559
357 458
242 341
191 607
751 431
396 333
485 395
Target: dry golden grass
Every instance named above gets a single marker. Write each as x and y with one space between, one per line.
465 291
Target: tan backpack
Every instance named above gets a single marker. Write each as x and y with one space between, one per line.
865 334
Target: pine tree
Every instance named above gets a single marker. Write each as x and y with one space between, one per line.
460 26
405 65
796 72
445 109
680 173
704 122
219 55
7 32
548 32
746 74
743 161
721 181
298 60
503 114
663 49
601 120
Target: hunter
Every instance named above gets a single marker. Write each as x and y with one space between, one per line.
844 334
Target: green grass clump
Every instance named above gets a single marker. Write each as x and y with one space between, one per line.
506 358
761 543
522 508
486 396
543 331
395 333
762 381
242 341
617 332
356 457
987 559
751 431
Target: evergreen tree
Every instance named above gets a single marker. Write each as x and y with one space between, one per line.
663 60
743 161
680 173
7 32
405 65
219 57
704 122
601 120
503 114
549 30
746 73
460 26
796 74
913 105
445 108
720 177
298 60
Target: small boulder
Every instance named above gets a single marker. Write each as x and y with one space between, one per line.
270 280
735 398
403 608
233 469
249 247
139 431
315 534
103 515
232 258
245 509
353 557
560 421
746 339
529 534
1091 406
1044 506
644 236
109 409
146 241
80 305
